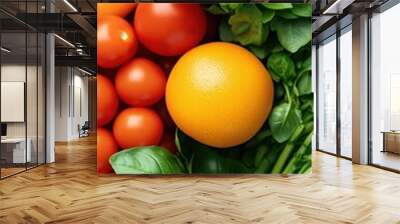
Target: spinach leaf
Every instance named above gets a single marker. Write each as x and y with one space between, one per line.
278 6
305 66
303 10
279 91
282 66
292 33
283 120
286 14
304 84
216 10
230 7
146 160
247 25
259 51
200 158
208 160
267 14
225 32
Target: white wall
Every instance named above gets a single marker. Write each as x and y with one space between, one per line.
71 94
33 127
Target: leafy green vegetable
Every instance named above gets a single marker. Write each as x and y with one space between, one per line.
267 14
286 14
282 66
293 33
304 10
304 85
279 34
210 161
291 166
283 121
230 7
260 51
146 160
200 158
289 147
247 25
225 32
278 6
268 161
216 10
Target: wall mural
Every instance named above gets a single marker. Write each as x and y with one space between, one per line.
204 88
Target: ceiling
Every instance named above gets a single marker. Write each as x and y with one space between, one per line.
73 20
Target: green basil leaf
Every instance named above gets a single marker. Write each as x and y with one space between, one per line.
278 6
293 33
259 51
230 7
146 160
282 66
302 9
247 26
216 10
267 14
283 121
225 32
304 67
286 14
304 84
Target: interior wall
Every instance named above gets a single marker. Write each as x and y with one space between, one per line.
71 102
16 72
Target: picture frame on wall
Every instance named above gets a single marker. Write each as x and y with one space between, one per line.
190 88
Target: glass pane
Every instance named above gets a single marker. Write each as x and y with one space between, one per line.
41 98
32 97
346 94
14 152
327 96
385 84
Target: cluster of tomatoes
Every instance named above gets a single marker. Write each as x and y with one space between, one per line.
137 46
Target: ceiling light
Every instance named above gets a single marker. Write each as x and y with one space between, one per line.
64 40
70 5
5 50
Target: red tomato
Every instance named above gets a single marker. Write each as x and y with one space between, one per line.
169 29
168 142
116 9
140 82
107 100
106 146
137 127
116 41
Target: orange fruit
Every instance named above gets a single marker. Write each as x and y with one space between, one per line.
219 94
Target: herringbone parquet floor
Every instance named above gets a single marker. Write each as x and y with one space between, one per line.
70 191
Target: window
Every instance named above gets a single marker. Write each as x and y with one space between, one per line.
346 92
385 89
327 95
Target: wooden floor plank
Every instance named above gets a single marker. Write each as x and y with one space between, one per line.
70 191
